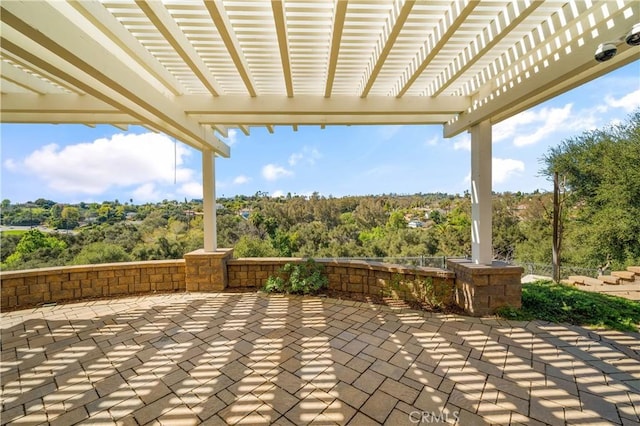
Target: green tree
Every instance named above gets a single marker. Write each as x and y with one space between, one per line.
602 177
70 217
32 242
251 246
100 252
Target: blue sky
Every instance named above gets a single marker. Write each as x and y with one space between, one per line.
73 163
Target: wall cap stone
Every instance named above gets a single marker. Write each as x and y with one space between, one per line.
219 253
496 267
354 264
90 268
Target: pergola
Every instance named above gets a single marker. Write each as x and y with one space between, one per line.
191 69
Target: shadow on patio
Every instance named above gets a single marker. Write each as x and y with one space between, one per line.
250 358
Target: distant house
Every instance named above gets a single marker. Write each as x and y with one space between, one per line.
415 224
130 215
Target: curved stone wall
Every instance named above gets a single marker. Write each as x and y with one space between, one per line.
28 288
355 276
22 289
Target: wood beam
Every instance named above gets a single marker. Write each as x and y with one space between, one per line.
160 17
90 66
573 66
26 80
318 119
446 34
317 104
225 29
396 26
99 16
336 38
513 19
281 30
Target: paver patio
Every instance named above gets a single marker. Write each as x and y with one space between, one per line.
247 358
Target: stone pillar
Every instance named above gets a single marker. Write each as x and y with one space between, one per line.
481 289
207 271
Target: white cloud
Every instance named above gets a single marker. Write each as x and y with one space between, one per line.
462 142
628 102
11 165
507 128
275 172
432 141
277 194
233 137
191 189
309 155
502 169
242 179
295 158
551 120
124 160
146 192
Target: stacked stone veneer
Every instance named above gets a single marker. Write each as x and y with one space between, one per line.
37 286
481 289
371 278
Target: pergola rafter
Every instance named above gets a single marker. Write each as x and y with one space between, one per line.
189 69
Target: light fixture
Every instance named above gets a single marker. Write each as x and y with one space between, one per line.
605 51
608 50
633 38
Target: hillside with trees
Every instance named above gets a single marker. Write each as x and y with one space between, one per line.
600 212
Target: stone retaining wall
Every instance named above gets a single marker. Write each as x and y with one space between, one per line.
355 276
21 289
478 289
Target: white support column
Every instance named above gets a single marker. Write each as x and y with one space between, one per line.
209 200
481 210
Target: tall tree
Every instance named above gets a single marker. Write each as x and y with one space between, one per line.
603 180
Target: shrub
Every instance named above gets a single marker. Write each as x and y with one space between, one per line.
561 303
298 278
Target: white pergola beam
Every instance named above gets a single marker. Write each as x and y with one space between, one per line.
396 23
26 80
315 119
225 29
160 17
314 104
569 67
447 30
66 118
336 37
509 15
94 69
99 16
281 30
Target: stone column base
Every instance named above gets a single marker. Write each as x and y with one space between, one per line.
481 289
207 271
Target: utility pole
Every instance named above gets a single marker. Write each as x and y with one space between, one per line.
556 229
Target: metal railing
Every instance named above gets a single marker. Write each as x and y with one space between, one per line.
432 262
547 270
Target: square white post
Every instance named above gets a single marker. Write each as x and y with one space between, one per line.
481 210
209 200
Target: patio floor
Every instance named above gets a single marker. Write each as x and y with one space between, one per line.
250 358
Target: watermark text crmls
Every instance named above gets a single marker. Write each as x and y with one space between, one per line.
440 416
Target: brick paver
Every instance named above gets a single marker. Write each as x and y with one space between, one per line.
247 358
